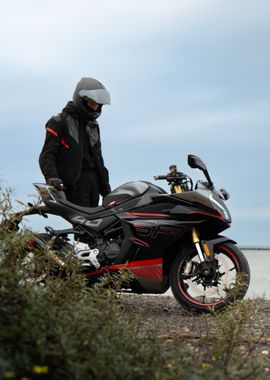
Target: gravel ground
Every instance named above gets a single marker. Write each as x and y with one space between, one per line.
165 315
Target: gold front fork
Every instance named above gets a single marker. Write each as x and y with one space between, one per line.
177 189
196 241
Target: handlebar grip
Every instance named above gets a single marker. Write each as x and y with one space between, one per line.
156 177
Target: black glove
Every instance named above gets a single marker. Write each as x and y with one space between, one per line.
105 193
105 190
56 183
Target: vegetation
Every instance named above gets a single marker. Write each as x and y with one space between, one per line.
53 326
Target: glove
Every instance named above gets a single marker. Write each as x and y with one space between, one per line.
56 183
105 192
105 189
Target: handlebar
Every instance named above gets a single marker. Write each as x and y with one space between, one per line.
175 179
157 177
171 177
178 179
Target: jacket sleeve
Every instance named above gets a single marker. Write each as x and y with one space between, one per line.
104 182
48 155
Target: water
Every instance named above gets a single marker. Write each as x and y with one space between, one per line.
259 262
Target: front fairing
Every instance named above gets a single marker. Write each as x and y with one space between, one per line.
196 197
205 201
219 204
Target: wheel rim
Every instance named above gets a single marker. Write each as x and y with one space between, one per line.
209 296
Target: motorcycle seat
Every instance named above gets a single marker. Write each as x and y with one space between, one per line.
85 210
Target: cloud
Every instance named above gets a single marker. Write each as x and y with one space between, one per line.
42 35
186 76
256 214
37 34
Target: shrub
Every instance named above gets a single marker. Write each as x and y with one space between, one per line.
229 343
53 326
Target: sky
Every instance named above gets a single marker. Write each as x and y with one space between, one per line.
185 76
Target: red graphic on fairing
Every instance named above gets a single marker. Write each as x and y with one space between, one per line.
158 229
145 269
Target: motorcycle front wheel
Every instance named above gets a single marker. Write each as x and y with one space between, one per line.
228 280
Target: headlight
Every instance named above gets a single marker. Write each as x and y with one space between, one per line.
222 209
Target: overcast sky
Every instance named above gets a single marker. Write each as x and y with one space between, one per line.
185 76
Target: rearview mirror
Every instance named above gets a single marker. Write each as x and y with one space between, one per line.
196 163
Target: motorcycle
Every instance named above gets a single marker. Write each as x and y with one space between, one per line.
164 240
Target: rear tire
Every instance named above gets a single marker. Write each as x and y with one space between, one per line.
197 295
44 258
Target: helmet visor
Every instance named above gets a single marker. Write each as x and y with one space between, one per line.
100 96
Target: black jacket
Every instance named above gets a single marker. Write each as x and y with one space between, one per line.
63 150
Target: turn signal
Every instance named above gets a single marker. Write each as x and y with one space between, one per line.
206 250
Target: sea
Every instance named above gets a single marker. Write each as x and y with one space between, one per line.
259 262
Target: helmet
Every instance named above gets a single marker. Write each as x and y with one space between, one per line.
90 88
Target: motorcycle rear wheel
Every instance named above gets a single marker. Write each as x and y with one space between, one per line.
44 259
197 295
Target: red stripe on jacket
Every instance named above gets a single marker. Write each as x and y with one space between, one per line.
52 131
64 143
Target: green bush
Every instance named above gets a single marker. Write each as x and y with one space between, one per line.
53 326
229 343
61 329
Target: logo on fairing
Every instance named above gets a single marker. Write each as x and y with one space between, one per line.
85 222
157 229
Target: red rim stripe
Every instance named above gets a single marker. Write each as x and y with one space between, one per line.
208 304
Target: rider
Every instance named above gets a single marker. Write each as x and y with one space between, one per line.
71 158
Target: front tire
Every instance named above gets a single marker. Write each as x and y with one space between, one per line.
199 294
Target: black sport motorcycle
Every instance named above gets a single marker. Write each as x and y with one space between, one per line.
165 240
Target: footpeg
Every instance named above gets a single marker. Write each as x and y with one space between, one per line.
93 257
86 255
